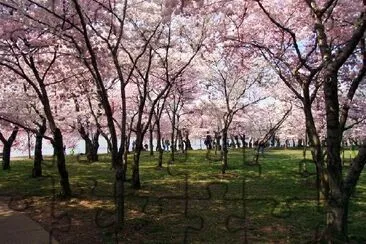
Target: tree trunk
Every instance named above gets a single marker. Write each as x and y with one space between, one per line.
7 147
58 147
6 156
217 141
224 151
338 206
188 142
180 140
337 216
278 142
87 145
232 142
242 138
172 146
136 184
93 149
151 139
160 149
125 164
37 164
237 141
29 145
93 153
256 156
91 145
305 146
315 146
109 145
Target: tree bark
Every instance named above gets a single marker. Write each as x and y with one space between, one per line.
160 149
224 151
337 204
188 142
315 146
37 164
237 141
93 149
91 144
136 184
7 147
151 138
172 138
29 144
61 165
6 157
242 138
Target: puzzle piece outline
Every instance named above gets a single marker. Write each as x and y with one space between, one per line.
23 200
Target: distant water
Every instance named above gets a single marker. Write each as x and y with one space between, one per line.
47 148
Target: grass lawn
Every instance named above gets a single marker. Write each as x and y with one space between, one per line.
192 201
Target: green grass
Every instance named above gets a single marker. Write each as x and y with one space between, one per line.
280 204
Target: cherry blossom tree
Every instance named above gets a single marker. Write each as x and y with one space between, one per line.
332 51
308 43
30 56
233 86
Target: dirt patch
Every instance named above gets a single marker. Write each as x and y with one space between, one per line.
68 221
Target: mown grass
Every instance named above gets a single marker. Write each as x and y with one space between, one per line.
192 201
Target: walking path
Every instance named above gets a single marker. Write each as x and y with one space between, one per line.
16 227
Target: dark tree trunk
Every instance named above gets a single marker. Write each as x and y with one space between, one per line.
29 144
242 138
151 139
299 142
278 142
224 151
316 148
109 145
273 140
217 141
232 142
7 147
338 205
6 156
136 184
37 164
256 156
61 166
128 142
305 146
91 145
237 141
87 146
160 149
180 140
93 148
188 142
172 146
